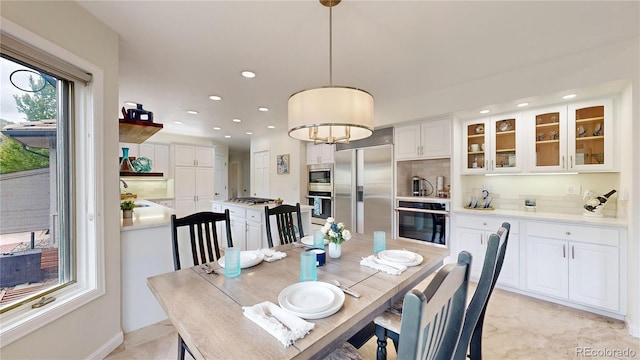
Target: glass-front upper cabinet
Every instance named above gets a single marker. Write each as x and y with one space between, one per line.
549 139
573 138
475 143
504 150
590 145
494 145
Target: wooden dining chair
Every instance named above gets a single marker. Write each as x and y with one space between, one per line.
470 344
203 238
285 220
432 318
388 324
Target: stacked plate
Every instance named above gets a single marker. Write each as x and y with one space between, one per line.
401 257
311 299
247 259
308 240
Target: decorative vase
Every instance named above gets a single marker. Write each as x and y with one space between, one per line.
335 250
127 214
125 163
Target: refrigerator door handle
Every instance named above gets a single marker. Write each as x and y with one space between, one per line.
360 194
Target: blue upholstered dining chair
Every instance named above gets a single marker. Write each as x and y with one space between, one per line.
388 324
432 318
471 337
203 238
288 217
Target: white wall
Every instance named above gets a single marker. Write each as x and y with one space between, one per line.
289 187
86 330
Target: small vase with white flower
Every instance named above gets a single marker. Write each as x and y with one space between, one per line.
336 234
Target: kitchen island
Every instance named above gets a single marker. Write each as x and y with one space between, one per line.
248 229
145 252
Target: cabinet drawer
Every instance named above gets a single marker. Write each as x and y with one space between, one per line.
236 211
485 223
254 215
588 234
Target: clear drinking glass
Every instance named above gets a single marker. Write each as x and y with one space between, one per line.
379 241
318 239
308 270
232 262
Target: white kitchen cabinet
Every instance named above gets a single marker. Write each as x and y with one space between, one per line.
194 176
576 263
577 137
494 145
590 136
472 235
194 155
193 189
159 156
320 153
428 140
246 226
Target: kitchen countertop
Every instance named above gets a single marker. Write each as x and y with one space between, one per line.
148 216
430 199
303 208
546 216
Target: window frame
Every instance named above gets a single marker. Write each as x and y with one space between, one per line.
87 204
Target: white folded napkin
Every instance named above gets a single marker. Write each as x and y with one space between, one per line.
278 322
271 255
383 265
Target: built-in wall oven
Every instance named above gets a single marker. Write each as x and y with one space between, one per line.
426 220
320 192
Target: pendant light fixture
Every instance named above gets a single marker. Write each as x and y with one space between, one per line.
331 114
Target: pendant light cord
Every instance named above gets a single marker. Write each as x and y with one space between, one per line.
330 44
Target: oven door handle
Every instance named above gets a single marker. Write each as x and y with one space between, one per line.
320 197
426 211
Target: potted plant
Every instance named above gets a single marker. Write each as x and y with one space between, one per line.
278 201
127 207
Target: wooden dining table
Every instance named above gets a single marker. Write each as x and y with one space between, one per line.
206 309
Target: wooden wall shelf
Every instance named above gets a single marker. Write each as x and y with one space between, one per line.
127 173
135 131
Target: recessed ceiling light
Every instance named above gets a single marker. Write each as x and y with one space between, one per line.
177 122
248 74
484 111
215 97
249 133
216 128
523 104
227 136
192 112
570 96
236 120
263 109
271 127
131 103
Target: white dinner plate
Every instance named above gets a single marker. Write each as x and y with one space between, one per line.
308 240
247 259
334 306
402 257
310 299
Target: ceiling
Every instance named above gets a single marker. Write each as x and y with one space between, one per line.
174 54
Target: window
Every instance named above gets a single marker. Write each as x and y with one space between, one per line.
49 183
35 222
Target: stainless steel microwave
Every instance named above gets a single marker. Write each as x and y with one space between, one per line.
320 177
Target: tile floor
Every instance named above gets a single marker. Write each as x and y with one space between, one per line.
516 327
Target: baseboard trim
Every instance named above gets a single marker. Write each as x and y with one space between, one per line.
108 347
633 330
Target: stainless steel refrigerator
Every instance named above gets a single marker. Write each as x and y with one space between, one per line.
363 181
